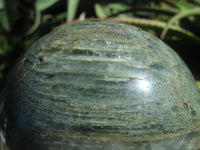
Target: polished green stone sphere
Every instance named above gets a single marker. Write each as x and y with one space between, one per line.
99 85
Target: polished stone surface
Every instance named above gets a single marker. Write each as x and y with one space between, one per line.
100 81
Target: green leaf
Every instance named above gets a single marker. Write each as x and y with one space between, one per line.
58 17
117 7
4 21
198 84
184 5
72 6
159 26
41 5
36 23
101 11
178 17
197 1
11 11
1 4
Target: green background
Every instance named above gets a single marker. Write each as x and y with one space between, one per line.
22 22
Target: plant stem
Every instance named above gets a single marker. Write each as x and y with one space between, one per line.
178 17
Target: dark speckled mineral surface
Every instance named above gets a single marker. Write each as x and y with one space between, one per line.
100 85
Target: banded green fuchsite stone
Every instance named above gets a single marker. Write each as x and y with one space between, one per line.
100 85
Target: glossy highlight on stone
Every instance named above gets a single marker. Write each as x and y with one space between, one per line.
96 85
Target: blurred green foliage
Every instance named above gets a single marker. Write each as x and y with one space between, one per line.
23 21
